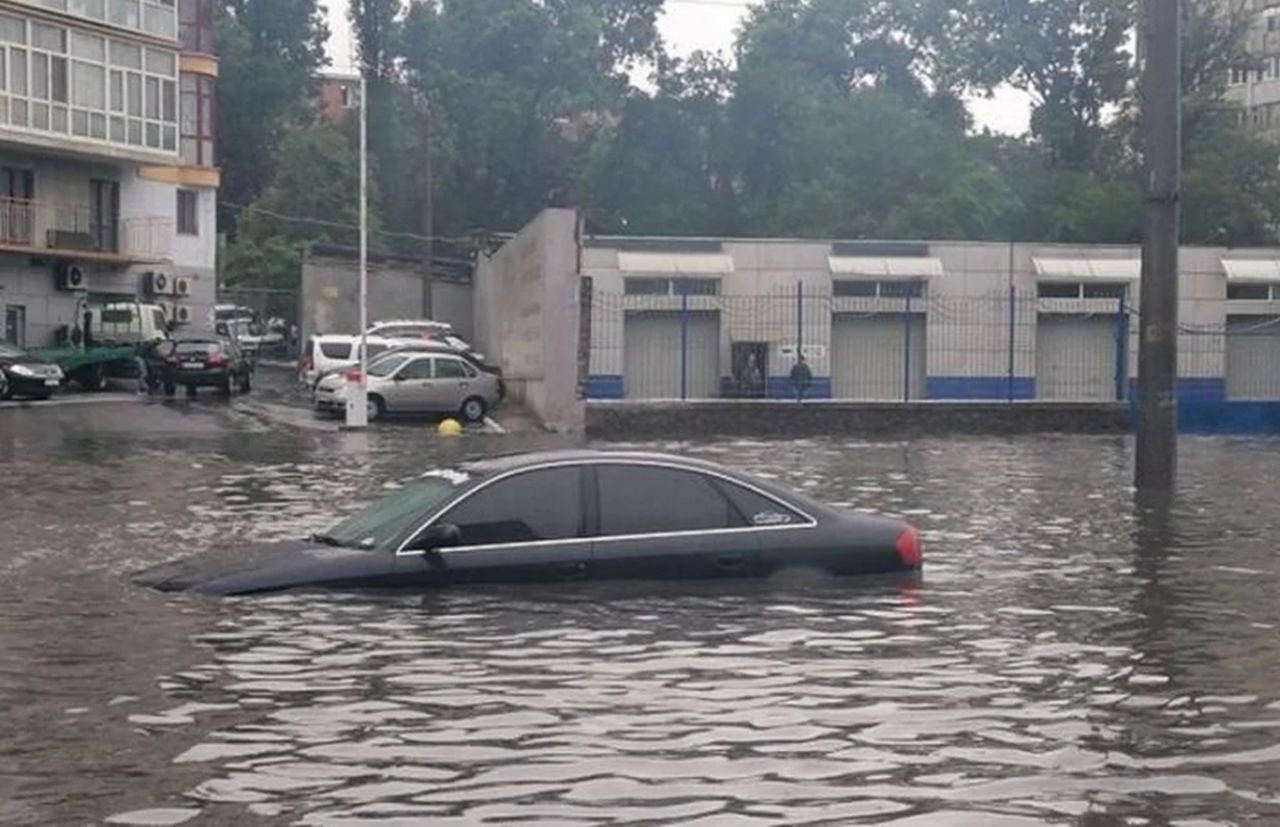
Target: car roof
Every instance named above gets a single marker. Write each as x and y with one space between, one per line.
411 323
514 462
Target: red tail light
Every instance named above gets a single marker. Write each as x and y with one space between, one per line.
308 364
353 375
217 360
910 549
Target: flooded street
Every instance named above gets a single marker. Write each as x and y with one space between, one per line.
1069 657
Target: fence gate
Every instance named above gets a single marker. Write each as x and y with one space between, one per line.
652 358
1076 357
870 354
1253 357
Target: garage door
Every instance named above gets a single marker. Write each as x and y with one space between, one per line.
651 362
869 356
1253 357
1076 358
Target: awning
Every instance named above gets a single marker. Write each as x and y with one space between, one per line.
1088 269
676 264
891 267
1245 269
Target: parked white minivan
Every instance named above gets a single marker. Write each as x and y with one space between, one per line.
325 354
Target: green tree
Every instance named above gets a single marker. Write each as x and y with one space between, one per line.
270 51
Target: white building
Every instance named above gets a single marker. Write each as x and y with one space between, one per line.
1257 87
107 175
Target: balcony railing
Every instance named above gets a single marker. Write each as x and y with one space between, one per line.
68 230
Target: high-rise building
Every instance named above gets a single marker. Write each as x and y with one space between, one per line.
1256 86
107 149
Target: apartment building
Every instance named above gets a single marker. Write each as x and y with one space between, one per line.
1256 87
108 186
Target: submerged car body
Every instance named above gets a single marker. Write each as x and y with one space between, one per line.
574 515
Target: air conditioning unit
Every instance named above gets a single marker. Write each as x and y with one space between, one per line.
71 276
181 286
180 314
156 283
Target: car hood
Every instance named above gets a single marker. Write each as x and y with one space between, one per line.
268 568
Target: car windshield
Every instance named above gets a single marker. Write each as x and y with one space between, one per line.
385 523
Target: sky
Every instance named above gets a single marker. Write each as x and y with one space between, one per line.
689 25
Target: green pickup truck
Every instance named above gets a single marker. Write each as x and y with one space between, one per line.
106 341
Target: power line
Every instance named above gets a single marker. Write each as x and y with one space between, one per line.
320 222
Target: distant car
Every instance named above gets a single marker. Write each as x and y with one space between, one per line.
253 338
433 346
207 361
325 354
414 382
565 516
423 329
26 374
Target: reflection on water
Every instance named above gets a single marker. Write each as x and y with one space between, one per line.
1071 656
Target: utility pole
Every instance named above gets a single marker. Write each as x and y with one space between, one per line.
358 394
1157 461
428 217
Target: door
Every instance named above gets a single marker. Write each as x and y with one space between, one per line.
870 354
411 388
17 192
529 527
104 214
1253 357
452 384
655 522
652 359
1076 357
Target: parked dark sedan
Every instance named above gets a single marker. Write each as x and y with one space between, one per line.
201 361
565 516
25 374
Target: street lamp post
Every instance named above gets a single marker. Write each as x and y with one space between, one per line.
358 392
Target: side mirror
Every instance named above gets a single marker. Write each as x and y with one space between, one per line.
399 377
438 536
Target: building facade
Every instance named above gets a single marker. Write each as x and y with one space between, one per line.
107 160
339 95
891 321
1256 87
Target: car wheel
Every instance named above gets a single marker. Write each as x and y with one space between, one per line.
474 409
246 383
92 379
170 389
6 390
227 386
191 391
375 408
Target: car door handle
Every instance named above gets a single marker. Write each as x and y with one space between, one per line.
731 561
571 569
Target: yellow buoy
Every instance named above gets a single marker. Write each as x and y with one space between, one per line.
450 427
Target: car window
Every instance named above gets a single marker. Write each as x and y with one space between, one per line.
757 509
450 369
420 369
375 349
384 523
538 505
637 499
385 367
197 347
157 319
336 350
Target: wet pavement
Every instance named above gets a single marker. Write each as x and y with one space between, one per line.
1070 657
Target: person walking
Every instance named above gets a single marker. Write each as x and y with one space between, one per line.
801 377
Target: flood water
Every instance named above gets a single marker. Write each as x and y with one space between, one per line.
1070 656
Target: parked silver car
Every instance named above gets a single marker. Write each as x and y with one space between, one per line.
415 383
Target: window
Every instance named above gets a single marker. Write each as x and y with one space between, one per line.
188 220
387 366
15 325
195 25
17 213
757 509
637 499
1105 291
1250 292
420 369
197 113
1082 290
534 506
862 288
648 286
336 350
450 369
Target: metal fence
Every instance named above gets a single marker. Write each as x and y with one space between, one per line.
902 344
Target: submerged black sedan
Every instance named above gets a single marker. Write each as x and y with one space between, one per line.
565 516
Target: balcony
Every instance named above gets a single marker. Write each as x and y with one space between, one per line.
157 18
78 232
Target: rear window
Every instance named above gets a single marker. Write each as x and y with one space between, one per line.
336 350
117 317
198 347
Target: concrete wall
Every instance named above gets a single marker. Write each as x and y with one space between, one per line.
331 294
526 317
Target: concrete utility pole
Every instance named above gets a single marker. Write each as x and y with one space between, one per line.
429 217
1158 355
358 395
